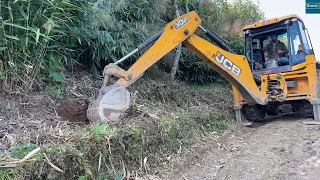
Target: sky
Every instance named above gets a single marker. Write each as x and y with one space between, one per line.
277 8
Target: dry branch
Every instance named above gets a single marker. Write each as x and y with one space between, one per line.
51 164
21 161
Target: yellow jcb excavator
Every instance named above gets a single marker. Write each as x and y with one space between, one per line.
257 92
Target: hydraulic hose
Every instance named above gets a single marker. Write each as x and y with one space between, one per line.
217 40
141 46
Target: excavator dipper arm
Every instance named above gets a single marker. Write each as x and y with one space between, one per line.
115 99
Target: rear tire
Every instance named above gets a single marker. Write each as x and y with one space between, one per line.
296 106
272 109
255 113
308 109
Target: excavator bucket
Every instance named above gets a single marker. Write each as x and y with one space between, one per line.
112 100
111 103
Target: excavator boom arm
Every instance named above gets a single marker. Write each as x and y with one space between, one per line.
170 38
231 66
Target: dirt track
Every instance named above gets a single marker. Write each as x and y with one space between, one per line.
283 148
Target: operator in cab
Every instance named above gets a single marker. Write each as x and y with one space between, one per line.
277 50
257 57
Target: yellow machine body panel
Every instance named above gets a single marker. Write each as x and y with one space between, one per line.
270 21
305 75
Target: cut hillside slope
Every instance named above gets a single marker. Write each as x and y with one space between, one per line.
166 122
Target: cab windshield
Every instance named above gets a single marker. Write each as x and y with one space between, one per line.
279 47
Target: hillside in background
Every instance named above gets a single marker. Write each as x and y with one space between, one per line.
51 57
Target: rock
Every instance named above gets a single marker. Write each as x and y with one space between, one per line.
282 149
302 173
222 161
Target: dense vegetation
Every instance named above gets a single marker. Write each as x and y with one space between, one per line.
40 40
61 46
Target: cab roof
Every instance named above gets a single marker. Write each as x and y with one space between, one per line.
270 21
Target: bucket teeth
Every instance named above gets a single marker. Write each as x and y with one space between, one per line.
113 101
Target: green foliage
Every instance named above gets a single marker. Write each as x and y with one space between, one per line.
102 151
9 174
19 151
56 91
99 131
194 70
116 27
181 131
39 40
110 175
5 108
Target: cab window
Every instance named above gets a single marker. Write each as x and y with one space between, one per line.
281 37
305 43
248 47
295 44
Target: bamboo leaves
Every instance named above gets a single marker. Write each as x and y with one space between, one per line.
42 38
12 37
33 31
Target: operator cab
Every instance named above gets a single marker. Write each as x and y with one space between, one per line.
263 41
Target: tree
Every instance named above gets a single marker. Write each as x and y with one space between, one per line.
178 52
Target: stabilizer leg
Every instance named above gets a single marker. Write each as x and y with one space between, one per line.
316 112
316 115
240 120
238 115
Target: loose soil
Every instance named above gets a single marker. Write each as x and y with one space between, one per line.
283 148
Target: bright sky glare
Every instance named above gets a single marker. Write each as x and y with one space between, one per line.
277 8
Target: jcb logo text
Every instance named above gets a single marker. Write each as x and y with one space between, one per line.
180 23
227 64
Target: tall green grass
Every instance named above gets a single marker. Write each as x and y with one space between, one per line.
41 39
38 39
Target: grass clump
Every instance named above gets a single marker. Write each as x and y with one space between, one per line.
124 151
